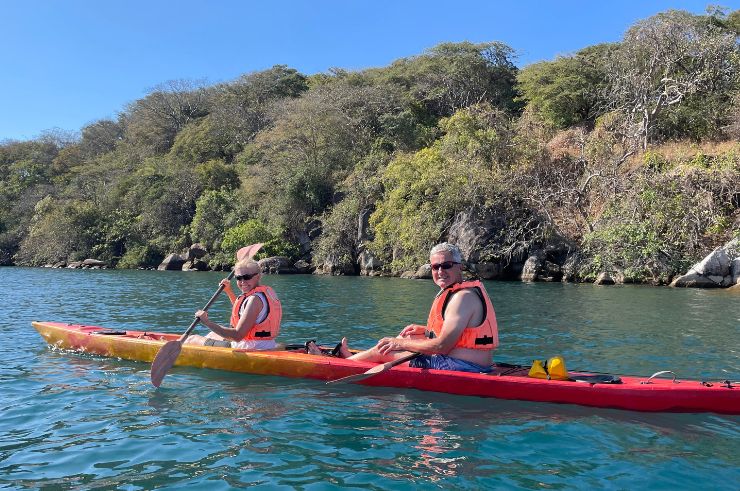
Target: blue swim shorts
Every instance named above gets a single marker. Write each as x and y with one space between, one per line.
444 362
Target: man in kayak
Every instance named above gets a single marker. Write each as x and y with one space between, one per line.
461 332
255 314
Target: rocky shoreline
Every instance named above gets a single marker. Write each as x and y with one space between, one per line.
719 269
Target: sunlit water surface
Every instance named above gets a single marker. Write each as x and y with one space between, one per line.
72 421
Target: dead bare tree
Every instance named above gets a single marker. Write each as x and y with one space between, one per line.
661 61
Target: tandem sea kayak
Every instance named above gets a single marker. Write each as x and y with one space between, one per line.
505 382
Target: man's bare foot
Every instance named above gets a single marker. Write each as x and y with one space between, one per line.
312 348
344 351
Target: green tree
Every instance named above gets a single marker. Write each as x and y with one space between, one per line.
199 141
152 123
211 220
566 91
451 76
59 232
311 148
253 231
242 108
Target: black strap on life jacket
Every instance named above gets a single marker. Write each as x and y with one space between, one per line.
480 296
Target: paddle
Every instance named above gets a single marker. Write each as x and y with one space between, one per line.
374 370
168 353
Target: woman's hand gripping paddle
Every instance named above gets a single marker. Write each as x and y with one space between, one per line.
374 370
168 353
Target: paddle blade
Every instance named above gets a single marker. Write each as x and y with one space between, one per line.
164 360
374 370
351 378
248 252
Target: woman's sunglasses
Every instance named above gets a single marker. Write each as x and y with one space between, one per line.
444 265
245 276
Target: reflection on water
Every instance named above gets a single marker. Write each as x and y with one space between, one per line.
84 421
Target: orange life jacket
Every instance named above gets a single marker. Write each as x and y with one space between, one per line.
484 336
268 328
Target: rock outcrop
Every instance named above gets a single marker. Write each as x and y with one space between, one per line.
173 262
720 269
86 264
369 264
277 265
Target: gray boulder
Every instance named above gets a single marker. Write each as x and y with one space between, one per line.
486 270
196 251
277 265
337 266
173 262
471 230
93 264
605 279
720 268
538 268
532 267
695 280
195 265
302 267
369 264
424 272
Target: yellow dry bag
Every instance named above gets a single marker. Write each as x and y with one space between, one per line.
554 369
537 370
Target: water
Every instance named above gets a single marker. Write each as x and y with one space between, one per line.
72 421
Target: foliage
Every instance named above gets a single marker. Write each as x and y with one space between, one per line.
141 256
424 191
660 225
453 142
339 239
212 211
152 123
662 61
566 91
59 232
200 141
253 231
241 109
452 76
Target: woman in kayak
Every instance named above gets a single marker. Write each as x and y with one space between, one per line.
255 314
461 332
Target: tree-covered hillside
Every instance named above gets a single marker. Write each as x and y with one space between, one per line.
620 157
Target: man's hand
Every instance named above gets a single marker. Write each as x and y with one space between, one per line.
386 345
411 330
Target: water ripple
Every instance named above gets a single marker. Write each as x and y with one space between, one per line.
76 421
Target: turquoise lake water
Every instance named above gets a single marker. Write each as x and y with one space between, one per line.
74 421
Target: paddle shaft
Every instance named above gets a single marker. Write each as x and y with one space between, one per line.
390 364
207 306
167 354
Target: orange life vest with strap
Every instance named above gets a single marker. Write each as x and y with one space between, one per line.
484 336
268 328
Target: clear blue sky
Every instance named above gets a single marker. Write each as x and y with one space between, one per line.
65 64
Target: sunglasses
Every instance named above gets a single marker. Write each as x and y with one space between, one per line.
245 276
444 265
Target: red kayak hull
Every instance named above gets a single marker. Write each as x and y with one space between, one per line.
659 394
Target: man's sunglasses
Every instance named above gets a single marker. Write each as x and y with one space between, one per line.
444 265
245 276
